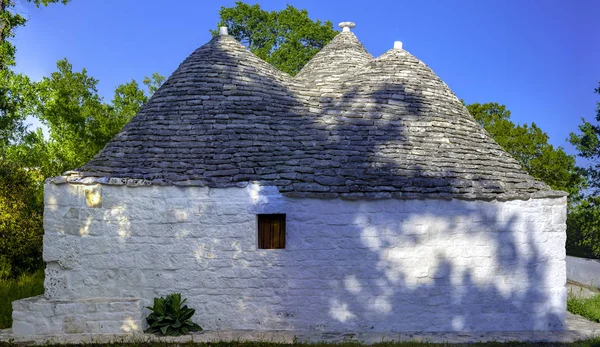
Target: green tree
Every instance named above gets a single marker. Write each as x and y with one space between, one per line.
529 145
15 91
583 228
20 186
153 82
10 20
20 219
587 143
287 39
12 85
583 222
80 123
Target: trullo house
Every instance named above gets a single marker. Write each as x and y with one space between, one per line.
357 196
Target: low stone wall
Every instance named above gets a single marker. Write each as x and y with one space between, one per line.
40 316
584 271
382 265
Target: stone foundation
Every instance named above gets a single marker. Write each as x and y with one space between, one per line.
40 316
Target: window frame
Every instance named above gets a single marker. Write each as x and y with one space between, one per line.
271 230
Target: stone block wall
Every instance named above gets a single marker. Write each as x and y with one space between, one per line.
584 270
40 316
380 265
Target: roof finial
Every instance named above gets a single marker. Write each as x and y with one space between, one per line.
397 44
223 31
346 26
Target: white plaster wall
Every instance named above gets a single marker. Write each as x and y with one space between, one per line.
40 316
384 265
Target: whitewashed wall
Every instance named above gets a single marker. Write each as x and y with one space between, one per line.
385 265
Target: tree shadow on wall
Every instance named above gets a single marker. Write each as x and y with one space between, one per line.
479 266
427 268
391 275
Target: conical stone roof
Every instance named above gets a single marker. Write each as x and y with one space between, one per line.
343 56
347 126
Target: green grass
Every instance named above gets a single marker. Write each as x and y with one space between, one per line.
15 289
588 308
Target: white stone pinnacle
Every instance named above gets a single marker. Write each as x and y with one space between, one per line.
223 31
397 44
346 26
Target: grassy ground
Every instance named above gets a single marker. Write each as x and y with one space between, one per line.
586 343
588 308
14 289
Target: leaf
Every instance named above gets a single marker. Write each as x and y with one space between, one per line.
175 319
195 327
176 299
287 39
187 314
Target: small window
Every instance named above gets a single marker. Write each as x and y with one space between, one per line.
271 231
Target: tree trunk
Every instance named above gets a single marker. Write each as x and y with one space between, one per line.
4 27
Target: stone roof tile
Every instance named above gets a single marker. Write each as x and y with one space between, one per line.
347 126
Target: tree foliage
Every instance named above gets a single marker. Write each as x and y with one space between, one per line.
153 82
79 123
529 145
287 39
13 87
583 228
20 184
587 143
583 222
20 219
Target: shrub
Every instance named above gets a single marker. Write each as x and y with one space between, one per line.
583 229
21 227
170 317
12 289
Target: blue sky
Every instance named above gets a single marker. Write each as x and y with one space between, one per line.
541 58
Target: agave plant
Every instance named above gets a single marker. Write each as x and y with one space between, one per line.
170 317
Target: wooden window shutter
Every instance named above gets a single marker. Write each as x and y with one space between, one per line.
271 231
